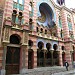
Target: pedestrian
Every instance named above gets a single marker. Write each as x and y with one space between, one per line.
66 64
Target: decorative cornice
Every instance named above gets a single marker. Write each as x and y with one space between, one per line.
67 9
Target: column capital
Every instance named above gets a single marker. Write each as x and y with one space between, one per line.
45 49
71 51
51 51
5 43
24 45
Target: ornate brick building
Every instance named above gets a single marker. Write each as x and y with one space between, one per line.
35 33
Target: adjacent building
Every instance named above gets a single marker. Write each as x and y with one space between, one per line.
35 33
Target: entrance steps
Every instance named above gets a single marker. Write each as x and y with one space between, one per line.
42 71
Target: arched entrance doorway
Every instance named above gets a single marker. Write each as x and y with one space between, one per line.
48 59
55 55
63 58
30 55
13 55
48 55
40 60
55 58
63 55
40 55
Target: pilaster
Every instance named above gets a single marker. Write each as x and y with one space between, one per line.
68 47
34 14
57 22
24 52
64 23
24 57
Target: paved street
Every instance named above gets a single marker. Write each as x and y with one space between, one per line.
56 70
49 73
71 72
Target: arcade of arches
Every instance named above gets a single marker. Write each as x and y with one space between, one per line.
48 57
45 57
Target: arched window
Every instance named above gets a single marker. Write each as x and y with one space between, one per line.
69 22
55 46
63 48
30 24
45 31
61 33
41 30
30 43
70 26
40 45
20 18
48 46
37 29
31 10
60 22
15 39
30 21
73 48
14 16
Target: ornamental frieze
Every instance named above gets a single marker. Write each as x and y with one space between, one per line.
25 38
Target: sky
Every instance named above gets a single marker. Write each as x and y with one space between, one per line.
69 3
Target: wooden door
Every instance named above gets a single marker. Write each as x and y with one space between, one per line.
12 60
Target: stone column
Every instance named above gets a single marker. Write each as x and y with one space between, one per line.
4 59
35 58
52 56
44 57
